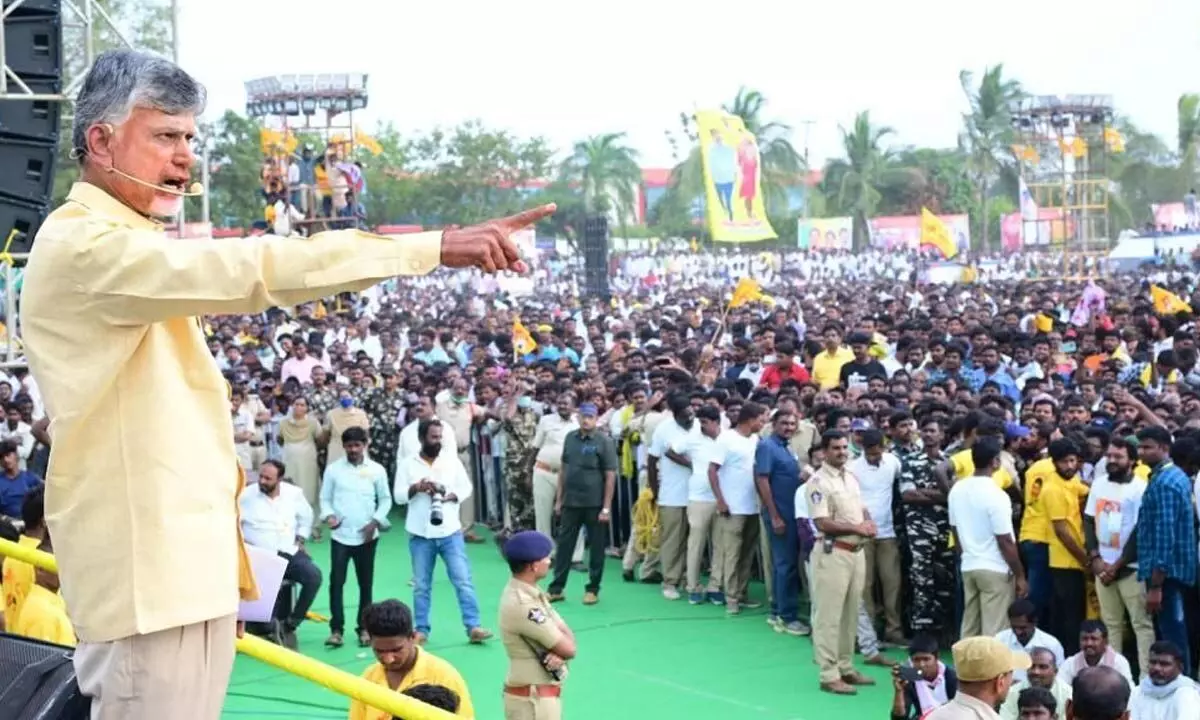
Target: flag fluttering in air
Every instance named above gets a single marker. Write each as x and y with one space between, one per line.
1167 302
523 342
747 291
1114 140
935 234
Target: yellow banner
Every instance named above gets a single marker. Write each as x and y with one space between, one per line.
733 196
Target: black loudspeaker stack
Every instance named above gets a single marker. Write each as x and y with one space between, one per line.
29 129
37 682
595 257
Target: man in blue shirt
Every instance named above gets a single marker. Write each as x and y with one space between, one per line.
777 476
15 483
1166 539
355 501
722 167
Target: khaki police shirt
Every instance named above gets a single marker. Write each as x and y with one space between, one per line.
964 707
526 615
834 494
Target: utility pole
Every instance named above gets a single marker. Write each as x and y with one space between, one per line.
807 191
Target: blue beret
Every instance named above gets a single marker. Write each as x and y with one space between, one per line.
528 546
589 410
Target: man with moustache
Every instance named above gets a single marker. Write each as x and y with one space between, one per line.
279 519
668 472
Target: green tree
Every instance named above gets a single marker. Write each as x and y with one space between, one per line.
1188 109
987 133
235 167
936 179
606 172
1147 172
146 25
854 183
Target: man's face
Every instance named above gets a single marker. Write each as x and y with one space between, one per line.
1163 668
836 452
10 462
268 479
833 339
1067 467
1023 628
393 653
354 451
1093 644
1119 463
1042 669
1036 713
873 455
424 408
151 146
785 426
14 416
587 422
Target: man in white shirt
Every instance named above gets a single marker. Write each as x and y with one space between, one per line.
549 437
279 519
1165 693
982 528
1109 520
1042 673
18 432
702 507
878 473
410 444
731 475
1023 634
668 472
1095 650
437 483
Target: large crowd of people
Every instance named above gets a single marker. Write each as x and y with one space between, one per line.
905 465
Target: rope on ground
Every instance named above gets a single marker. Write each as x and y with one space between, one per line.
645 523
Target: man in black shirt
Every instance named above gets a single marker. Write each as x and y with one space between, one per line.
585 490
859 371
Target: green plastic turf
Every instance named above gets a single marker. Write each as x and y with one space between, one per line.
639 654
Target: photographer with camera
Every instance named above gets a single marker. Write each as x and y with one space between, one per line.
437 483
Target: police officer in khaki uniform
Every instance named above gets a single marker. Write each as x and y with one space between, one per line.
839 568
985 675
537 641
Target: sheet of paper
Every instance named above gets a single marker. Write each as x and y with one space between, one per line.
268 569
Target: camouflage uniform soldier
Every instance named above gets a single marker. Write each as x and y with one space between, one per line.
321 396
383 406
927 524
521 425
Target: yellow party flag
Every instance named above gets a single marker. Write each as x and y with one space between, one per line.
523 342
1114 140
747 291
1043 323
1167 302
935 234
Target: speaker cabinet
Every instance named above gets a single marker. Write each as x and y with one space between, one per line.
37 682
595 257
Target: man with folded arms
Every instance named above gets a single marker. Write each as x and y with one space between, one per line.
109 315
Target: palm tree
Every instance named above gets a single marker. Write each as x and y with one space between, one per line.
854 182
782 167
987 132
606 172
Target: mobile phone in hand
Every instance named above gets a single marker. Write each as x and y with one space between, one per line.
909 674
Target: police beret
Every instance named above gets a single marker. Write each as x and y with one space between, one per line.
528 546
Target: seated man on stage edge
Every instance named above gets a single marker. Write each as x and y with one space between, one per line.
142 487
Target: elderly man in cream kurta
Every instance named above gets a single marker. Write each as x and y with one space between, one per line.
461 415
141 492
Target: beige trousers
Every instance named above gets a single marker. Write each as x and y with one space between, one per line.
545 490
700 536
837 591
180 673
532 708
986 597
650 561
1127 595
883 574
738 542
673 539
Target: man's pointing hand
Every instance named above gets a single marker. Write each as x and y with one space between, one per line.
488 246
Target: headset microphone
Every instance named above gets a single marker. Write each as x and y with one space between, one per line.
193 190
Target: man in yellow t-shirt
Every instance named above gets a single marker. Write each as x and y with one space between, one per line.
17 577
402 663
1061 466
1061 505
43 615
827 364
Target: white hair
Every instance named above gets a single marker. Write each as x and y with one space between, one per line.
121 80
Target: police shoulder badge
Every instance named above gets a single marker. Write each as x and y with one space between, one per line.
536 615
815 496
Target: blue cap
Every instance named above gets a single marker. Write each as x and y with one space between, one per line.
1015 431
589 410
860 424
528 546
1103 423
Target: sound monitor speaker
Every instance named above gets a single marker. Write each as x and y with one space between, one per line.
26 169
33 44
25 218
37 682
32 119
33 7
595 256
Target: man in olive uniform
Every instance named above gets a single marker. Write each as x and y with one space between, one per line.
537 641
520 424
839 568
585 491
383 407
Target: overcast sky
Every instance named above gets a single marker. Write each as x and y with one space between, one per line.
567 69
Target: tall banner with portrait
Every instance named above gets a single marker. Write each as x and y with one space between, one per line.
733 196
825 233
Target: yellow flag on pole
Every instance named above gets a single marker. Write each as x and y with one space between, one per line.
523 342
747 291
1167 302
935 234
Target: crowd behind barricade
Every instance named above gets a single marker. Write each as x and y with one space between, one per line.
904 465
305 188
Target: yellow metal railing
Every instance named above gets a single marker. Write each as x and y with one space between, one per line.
302 666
